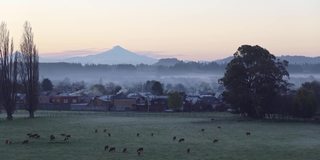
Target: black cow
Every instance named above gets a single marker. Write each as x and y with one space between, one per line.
112 149
140 151
8 142
52 137
66 139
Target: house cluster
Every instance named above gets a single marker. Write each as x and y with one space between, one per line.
140 101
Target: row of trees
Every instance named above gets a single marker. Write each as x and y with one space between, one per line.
306 100
256 84
18 68
181 67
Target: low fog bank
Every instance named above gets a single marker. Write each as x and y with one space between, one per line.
190 74
190 79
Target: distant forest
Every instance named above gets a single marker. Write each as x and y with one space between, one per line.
181 67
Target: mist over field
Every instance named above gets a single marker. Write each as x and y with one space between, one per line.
127 77
124 67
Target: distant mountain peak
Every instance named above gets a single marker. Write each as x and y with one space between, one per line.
118 47
116 55
117 50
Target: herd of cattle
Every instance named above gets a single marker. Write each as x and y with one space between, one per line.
64 138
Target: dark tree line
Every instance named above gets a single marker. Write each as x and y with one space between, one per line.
18 70
181 67
256 85
307 100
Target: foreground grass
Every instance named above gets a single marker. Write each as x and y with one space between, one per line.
268 140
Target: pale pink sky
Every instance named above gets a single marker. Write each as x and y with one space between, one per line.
187 29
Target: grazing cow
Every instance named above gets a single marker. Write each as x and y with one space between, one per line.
36 136
219 127
124 150
140 151
112 149
248 133
188 150
152 134
8 141
109 134
202 130
66 139
105 130
215 140
181 140
212 119
25 142
138 134
174 138
106 147
52 137
96 131
33 135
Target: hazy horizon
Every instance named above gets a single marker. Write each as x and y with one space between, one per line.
185 29
62 56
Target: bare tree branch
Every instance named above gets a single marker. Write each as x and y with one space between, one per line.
8 72
29 69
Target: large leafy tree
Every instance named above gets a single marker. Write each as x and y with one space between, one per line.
253 79
175 100
46 85
155 87
305 103
313 86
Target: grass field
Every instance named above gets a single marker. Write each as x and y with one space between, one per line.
268 140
